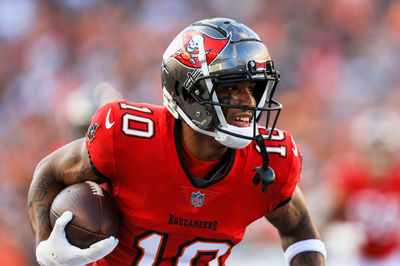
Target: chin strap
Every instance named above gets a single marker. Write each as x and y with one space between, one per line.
265 174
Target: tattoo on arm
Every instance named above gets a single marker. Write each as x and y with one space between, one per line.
66 166
40 197
76 168
42 216
40 185
37 195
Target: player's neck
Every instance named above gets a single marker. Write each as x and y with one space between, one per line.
202 147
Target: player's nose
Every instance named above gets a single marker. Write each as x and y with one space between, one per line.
246 97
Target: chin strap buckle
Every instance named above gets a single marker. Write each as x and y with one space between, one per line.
264 173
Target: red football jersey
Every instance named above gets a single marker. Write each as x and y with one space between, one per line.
371 202
167 217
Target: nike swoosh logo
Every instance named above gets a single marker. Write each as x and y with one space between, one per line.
108 124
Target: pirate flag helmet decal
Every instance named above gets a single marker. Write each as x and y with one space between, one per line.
210 52
185 48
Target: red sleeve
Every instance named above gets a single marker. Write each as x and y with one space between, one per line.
296 165
100 139
293 176
287 170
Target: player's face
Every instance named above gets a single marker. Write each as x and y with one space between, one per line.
237 93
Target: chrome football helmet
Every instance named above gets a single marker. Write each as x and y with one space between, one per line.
210 52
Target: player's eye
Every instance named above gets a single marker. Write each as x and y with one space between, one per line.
231 88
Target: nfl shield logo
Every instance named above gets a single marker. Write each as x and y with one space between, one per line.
197 199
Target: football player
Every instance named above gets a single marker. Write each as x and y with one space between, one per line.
365 185
191 175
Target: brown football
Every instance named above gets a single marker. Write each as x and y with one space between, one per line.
96 214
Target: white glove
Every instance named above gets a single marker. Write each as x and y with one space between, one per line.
56 250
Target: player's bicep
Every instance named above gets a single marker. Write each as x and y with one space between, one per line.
72 164
290 217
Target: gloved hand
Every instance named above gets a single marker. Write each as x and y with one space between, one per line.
56 250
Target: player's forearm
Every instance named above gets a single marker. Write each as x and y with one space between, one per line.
308 258
294 224
42 191
66 166
305 230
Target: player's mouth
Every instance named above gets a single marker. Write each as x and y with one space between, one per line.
242 120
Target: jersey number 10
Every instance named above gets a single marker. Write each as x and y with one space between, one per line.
151 246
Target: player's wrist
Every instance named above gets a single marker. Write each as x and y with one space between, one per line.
313 245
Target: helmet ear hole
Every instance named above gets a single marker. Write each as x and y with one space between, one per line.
185 94
200 90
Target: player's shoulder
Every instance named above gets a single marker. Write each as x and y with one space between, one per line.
280 143
284 158
284 154
125 111
141 120
124 106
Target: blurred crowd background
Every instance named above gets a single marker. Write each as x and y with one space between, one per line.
340 87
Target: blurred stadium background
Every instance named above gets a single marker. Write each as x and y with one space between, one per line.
339 61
